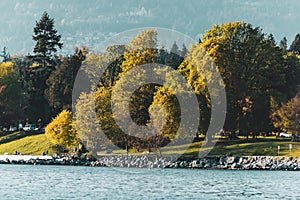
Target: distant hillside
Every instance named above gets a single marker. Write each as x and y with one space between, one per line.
90 22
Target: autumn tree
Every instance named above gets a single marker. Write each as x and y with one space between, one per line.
200 72
86 122
94 121
12 97
287 117
145 40
61 131
143 53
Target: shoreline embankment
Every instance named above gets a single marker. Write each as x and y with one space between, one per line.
146 161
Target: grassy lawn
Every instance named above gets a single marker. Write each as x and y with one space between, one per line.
252 147
30 145
27 143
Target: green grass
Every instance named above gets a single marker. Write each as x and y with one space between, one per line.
254 147
12 136
30 145
26 143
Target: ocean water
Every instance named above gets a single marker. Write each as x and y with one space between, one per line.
73 182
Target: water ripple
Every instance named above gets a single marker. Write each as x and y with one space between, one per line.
68 182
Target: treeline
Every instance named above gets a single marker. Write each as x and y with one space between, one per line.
261 80
259 76
38 86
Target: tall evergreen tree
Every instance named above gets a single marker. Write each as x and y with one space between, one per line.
174 59
47 41
295 46
43 63
5 55
184 51
174 48
283 44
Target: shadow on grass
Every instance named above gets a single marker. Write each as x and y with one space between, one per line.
11 136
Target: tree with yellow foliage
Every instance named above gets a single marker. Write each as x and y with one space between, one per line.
61 131
287 118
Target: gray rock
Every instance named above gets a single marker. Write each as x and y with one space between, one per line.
236 166
230 160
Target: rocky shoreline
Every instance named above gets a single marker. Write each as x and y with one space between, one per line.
146 161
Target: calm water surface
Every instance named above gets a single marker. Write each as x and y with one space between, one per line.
68 182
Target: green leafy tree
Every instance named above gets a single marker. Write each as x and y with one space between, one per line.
47 41
165 115
61 131
199 71
142 98
60 83
251 66
291 67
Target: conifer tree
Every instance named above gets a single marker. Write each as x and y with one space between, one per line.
295 46
47 41
283 44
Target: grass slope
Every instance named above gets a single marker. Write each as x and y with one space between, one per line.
30 145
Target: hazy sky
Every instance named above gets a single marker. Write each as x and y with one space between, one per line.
90 22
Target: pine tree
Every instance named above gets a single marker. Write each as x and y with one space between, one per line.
184 51
283 44
295 46
47 41
174 58
174 48
5 55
